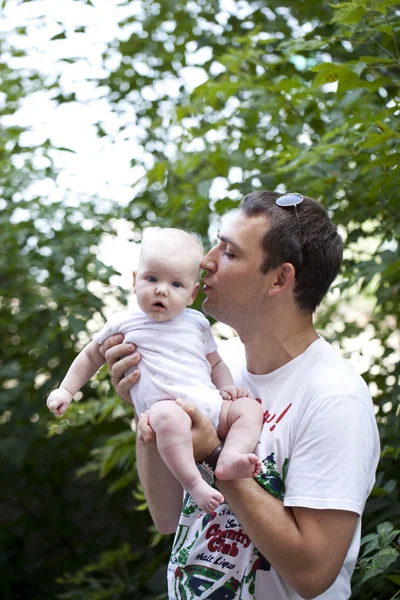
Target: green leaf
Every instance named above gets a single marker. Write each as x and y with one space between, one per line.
348 13
59 36
385 528
61 149
382 5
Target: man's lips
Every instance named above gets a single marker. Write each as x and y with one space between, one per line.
207 287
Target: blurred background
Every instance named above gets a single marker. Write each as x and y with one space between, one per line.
119 115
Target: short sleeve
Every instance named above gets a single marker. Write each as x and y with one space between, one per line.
209 342
334 456
112 327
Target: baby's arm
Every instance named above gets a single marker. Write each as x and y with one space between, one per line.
222 378
85 365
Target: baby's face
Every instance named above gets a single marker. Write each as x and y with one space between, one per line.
165 284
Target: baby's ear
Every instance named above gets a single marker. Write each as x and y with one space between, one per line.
134 281
194 293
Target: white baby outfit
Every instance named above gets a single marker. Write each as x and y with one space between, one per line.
173 363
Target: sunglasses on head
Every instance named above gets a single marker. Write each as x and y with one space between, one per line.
288 200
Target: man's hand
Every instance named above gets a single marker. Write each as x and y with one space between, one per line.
58 401
120 357
233 392
204 436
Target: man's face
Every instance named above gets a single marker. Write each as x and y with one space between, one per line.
234 286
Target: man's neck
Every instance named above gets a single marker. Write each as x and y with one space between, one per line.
268 349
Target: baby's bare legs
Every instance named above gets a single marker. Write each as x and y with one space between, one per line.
172 427
241 421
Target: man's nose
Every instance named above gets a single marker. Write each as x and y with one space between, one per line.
209 262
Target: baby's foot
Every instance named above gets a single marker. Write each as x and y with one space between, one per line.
234 465
205 496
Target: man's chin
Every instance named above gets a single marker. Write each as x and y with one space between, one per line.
206 307
219 315
209 309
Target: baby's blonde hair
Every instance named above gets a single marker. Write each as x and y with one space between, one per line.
182 241
161 233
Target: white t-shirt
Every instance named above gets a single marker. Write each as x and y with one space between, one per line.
320 448
173 359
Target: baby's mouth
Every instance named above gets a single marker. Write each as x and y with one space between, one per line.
159 305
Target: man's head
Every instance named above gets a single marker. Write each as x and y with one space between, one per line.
167 277
259 264
315 251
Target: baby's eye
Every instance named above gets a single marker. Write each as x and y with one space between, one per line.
176 284
151 279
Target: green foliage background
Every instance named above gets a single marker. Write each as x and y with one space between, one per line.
302 96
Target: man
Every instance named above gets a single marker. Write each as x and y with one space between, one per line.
293 531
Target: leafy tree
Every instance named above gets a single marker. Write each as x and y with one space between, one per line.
301 97
51 521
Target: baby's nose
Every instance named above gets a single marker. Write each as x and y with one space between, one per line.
162 289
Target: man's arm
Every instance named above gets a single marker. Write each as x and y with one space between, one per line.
163 492
307 547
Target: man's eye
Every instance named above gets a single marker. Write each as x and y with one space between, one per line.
176 284
228 255
151 279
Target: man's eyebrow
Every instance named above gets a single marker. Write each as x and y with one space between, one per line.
227 240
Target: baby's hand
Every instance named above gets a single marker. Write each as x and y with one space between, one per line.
233 392
145 432
58 401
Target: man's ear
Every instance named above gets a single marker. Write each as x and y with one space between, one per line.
284 277
194 294
134 281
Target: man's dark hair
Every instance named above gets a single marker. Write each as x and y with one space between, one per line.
318 263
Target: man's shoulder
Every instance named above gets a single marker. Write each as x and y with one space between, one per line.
331 374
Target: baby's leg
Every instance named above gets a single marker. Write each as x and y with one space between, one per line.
174 441
241 420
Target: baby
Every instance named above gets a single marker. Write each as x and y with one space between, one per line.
179 359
